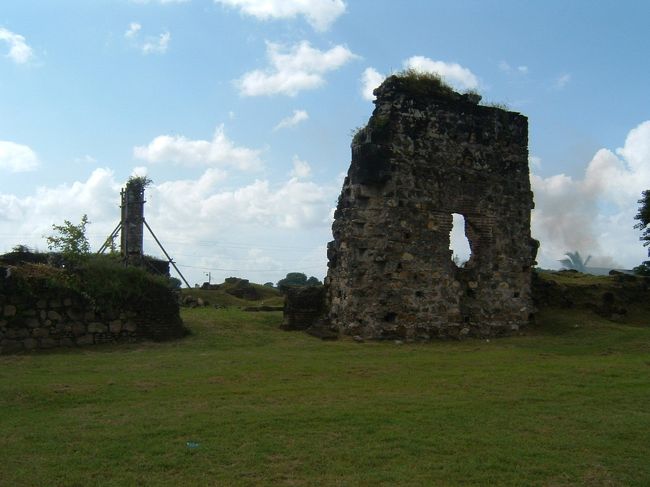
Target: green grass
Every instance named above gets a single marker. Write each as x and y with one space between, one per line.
567 404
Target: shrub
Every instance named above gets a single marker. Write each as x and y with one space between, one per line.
423 82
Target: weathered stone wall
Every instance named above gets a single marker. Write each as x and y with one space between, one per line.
303 307
426 153
37 317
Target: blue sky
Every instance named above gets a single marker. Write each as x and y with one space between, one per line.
241 113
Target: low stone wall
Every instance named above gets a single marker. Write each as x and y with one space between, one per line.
303 307
48 319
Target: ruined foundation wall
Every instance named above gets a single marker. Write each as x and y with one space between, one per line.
426 153
36 313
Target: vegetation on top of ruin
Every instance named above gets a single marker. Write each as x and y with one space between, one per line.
421 83
140 181
98 278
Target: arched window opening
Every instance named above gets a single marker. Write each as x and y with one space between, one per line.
458 242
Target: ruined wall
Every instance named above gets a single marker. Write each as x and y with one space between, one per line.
132 235
428 152
35 314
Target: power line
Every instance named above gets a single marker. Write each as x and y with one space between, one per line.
248 270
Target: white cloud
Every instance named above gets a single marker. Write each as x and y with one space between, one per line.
19 51
301 169
86 159
17 157
220 151
133 30
293 69
453 73
562 81
595 214
370 79
163 2
298 116
506 68
140 171
151 44
157 45
26 220
319 13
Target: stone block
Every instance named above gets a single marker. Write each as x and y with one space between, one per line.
9 310
96 327
48 343
75 314
10 346
130 326
63 327
17 333
85 340
78 329
54 315
115 326
40 332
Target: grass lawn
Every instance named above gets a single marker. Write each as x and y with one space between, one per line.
568 404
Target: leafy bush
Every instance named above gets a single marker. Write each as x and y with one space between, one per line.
70 239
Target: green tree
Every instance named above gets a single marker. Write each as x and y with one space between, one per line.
644 225
70 239
644 218
297 279
313 281
292 279
574 261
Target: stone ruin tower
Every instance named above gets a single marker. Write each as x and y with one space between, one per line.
428 152
132 235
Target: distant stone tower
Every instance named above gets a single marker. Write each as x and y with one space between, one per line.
428 152
132 233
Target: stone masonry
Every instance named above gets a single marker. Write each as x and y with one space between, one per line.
34 315
428 152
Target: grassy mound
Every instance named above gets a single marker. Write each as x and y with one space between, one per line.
223 296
